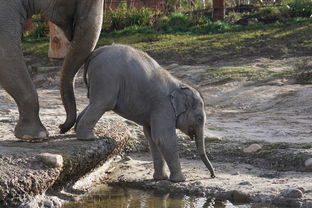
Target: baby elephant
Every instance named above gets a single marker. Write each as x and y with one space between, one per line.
135 86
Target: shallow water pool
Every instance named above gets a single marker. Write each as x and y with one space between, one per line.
121 197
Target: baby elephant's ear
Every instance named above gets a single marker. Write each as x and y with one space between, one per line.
180 100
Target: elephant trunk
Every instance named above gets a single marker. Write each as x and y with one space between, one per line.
87 29
200 144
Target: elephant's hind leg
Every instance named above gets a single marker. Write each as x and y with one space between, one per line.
91 115
158 160
15 79
99 104
103 94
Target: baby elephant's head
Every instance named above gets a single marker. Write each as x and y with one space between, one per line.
188 106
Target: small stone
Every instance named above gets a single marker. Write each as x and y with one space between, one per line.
213 138
243 183
57 203
308 164
252 148
280 134
236 173
52 160
48 204
32 204
196 183
292 193
117 158
240 197
127 158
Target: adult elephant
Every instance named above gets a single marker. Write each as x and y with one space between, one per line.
81 20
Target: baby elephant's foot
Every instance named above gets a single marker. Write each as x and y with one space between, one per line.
85 135
179 177
160 176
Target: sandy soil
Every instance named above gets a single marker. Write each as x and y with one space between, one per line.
250 183
239 112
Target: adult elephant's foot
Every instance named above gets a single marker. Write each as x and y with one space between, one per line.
30 131
178 177
85 135
158 176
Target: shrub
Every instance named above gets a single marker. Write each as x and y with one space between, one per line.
215 27
268 13
134 30
177 22
123 17
233 17
39 29
300 8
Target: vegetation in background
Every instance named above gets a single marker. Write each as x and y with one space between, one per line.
39 30
236 73
125 20
300 8
191 38
123 17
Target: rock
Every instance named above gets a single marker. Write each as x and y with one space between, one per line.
52 160
240 197
213 138
292 193
127 158
287 202
32 204
269 175
57 203
280 134
236 173
48 204
171 66
243 183
252 148
308 164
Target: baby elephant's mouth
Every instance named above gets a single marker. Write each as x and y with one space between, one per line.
191 133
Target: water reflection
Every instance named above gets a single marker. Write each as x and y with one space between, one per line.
119 197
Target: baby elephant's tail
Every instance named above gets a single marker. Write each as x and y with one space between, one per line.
86 67
85 72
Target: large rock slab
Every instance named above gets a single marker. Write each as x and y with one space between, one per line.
30 169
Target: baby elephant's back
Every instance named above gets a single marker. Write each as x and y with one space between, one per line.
122 63
131 80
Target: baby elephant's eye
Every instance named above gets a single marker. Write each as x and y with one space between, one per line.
200 118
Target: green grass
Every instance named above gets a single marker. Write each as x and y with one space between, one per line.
250 73
307 146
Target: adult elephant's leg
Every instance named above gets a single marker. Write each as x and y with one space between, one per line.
159 163
15 79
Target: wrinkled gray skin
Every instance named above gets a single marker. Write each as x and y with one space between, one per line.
133 85
81 22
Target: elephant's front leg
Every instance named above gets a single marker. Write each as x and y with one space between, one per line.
159 163
164 136
15 79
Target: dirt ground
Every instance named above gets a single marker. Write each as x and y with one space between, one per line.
276 115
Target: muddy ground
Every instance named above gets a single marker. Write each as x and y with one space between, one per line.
276 115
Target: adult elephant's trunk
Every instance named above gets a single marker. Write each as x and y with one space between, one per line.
87 27
200 144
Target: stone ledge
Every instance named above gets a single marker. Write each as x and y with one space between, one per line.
24 174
